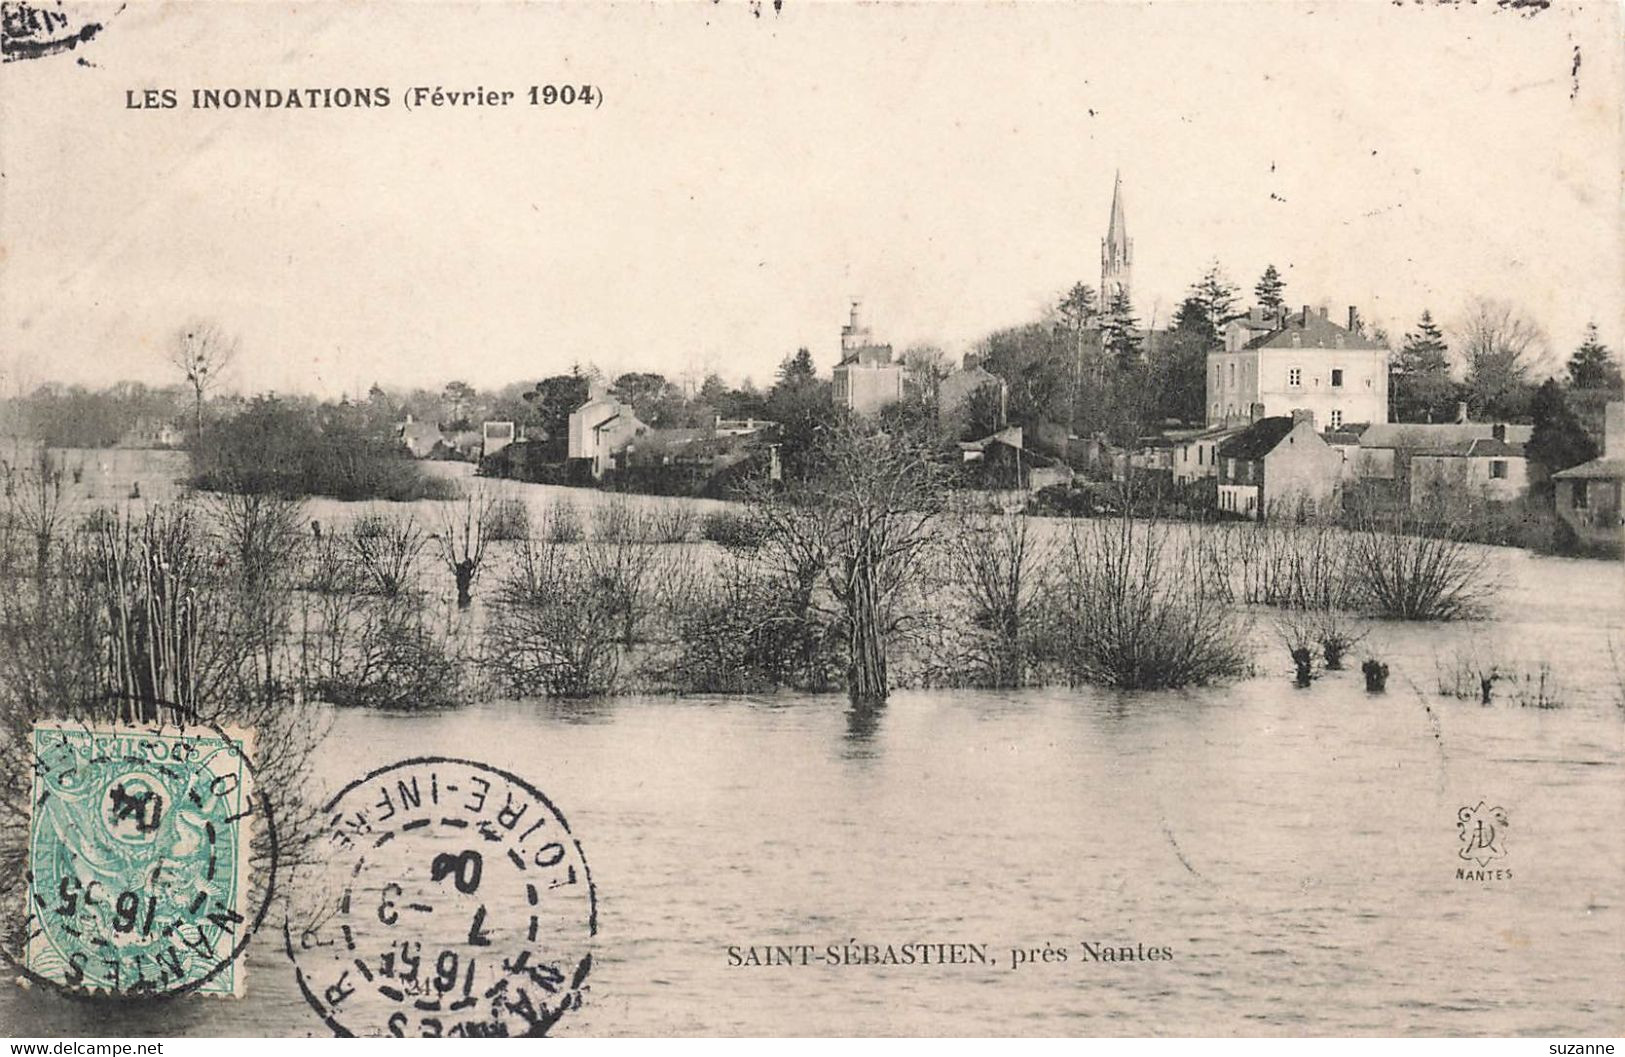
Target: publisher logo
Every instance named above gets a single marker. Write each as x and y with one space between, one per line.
1481 832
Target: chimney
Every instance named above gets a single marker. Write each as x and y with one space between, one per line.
1461 412
1499 431
1255 316
1303 414
1255 412
1354 318
1325 311
1308 314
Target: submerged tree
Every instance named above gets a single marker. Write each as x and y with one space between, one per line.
864 515
465 527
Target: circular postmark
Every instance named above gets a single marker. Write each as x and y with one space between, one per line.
455 902
137 880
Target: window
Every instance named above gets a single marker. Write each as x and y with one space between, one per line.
1200 455
1294 376
1498 468
1232 375
1580 497
1217 379
1337 377
1337 417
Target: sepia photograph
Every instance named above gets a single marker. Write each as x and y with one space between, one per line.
740 519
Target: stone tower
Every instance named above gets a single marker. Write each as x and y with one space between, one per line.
1116 253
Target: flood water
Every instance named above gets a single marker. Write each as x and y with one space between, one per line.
1296 850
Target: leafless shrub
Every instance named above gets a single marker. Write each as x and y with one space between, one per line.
993 565
549 631
1127 607
1413 564
616 521
376 652
671 522
139 620
562 522
1469 672
263 533
738 530
1538 687
505 520
737 631
1337 632
1300 564
1296 629
386 548
628 570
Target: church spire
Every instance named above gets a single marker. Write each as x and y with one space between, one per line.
1116 251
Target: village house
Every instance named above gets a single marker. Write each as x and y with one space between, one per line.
494 436
741 427
866 380
1277 464
1196 454
150 432
701 452
600 428
419 438
954 393
1588 496
1413 462
1002 461
1302 361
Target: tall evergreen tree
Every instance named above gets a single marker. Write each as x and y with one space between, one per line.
1119 332
1217 294
1558 441
1271 289
798 369
1422 389
1078 307
1592 365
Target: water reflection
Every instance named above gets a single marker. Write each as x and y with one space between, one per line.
862 724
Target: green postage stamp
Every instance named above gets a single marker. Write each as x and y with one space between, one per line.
138 851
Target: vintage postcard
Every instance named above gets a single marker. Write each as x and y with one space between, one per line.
812 519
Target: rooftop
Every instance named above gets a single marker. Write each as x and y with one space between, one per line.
1444 438
1311 330
1258 439
1596 469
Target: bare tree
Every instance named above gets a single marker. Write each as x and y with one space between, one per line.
202 351
37 503
868 512
386 548
1501 347
465 527
924 367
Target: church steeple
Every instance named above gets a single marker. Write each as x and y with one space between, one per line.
1116 252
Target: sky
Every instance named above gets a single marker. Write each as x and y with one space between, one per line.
749 172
